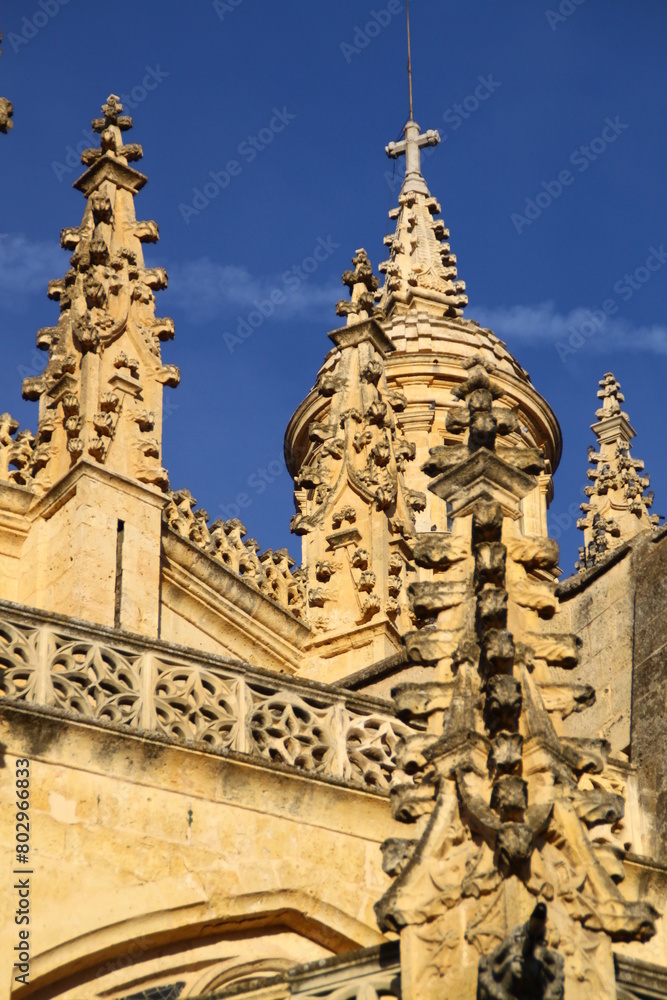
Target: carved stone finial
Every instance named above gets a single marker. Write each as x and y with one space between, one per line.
523 967
618 505
111 111
611 396
362 284
483 420
109 128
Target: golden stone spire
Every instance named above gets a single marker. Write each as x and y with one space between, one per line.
420 264
100 394
618 505
348 454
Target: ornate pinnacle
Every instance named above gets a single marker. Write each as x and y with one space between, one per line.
363 285
420 263
110 128
6 111
611 396
618 505
107 308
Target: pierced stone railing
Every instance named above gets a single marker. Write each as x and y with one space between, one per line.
117 679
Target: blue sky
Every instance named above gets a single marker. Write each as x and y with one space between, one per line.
278 114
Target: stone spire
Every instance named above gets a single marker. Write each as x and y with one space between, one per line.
618 505
348 453
355 435
100 395
6 111
420 263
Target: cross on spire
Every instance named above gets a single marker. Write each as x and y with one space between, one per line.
410 146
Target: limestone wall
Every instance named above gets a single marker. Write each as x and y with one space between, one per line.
649 692
600 612
155 863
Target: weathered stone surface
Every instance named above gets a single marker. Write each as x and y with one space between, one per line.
523 967
648 736
438 551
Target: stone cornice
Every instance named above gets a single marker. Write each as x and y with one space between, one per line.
367 331
66 487
236 605
576 584
111 169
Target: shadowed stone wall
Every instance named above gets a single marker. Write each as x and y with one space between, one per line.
649 691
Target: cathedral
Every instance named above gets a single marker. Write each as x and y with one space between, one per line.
419 765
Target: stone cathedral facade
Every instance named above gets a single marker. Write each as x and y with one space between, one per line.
420 765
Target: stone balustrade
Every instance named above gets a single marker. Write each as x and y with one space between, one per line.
112 678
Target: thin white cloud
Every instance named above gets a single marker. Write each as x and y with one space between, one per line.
204 289
542 324
208 291
26 267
